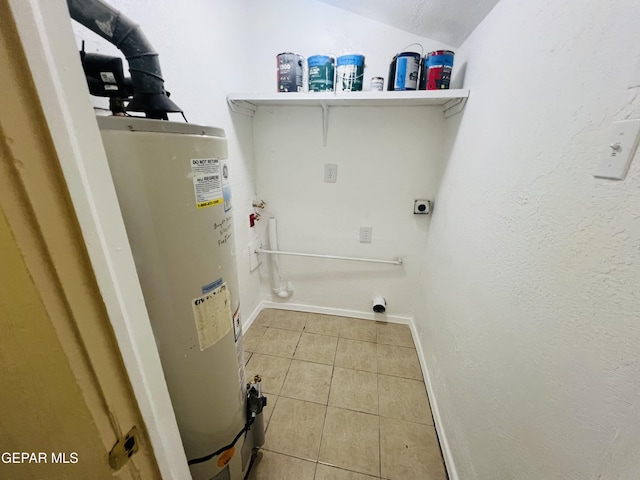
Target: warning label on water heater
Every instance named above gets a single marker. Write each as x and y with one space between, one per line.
207 181
212 313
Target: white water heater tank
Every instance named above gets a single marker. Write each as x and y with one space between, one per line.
172 182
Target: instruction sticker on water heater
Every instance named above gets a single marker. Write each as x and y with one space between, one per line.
212 313
207 181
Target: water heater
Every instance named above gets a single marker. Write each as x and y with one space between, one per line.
172 183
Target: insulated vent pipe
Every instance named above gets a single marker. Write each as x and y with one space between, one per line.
149 94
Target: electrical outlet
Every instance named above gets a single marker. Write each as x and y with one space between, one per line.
365 234
330 172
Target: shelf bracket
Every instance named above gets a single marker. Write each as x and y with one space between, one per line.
325 123
242 107
454 106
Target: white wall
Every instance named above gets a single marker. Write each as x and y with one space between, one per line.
386 158
529 305
203 49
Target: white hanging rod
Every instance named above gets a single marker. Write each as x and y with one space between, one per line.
335 257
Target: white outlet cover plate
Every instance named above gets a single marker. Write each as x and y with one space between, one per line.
365 234
615 163
330 172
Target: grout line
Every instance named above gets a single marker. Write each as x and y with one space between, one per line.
379 428
288 455
349 470
326 409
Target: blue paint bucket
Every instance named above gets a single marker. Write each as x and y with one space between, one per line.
405 67
349 73
321 73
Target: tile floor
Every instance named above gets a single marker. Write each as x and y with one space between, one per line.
346 400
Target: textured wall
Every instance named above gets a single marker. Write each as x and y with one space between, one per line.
529 297
449 21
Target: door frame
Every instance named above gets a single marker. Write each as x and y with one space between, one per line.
49 45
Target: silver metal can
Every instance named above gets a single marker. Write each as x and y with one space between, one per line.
377 84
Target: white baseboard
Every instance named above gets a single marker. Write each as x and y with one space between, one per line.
338 312
437 419
247 322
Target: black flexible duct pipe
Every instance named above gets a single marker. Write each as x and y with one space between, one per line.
149 94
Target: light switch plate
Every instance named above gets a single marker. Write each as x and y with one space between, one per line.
623 141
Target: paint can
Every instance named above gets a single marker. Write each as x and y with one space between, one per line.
436 70
392 74
405 67
321 73
349 73
289 72
377 84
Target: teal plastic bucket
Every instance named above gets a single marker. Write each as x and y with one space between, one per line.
349 73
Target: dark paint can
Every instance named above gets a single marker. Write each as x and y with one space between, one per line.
405 67
289 72
321 73
436 70
392 74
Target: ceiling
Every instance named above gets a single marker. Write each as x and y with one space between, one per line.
448 21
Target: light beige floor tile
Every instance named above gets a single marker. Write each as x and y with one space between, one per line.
270 466
404 399
409 451
399 361
295 428
357 355
264 317
289 320
395 334
354 390
316 348
272 369
358 329
247 357
323 324
268 410
325 472
252 336
276 341
308 381
351 440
